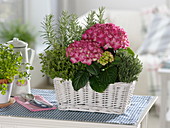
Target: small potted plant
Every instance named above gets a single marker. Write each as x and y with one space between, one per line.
95 59
11 65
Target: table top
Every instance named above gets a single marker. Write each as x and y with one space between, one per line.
140 105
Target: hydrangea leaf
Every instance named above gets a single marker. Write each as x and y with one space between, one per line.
93 69
80 80
117 60
97 85
109 75
130 51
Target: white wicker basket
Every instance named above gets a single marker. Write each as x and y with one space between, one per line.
115 99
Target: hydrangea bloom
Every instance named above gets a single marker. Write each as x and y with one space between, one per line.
106 58
84 51
107 35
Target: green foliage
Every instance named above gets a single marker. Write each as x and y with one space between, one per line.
94 18
3 88
58 37
123 67
100 16
49 34
129 67
80 80
10 65
9 62
93 69
68 29
17 29
96 84
56 64
129 50
100 82
65 32
109 75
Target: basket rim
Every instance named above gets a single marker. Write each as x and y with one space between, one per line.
134 82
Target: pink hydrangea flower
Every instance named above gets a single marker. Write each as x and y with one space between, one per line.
107 35
84 51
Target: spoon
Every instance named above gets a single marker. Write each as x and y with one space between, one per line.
31 99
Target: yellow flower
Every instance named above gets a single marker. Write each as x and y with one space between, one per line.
106 58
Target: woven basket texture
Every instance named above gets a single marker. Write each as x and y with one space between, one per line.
114 100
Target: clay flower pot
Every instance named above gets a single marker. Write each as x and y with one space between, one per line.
3 81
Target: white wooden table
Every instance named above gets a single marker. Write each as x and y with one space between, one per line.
165 77
20 122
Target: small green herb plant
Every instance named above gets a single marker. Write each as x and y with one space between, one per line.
19 30
97 53
10 66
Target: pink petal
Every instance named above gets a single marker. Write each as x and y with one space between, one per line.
73 60
87 61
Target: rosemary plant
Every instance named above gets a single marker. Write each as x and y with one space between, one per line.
58 37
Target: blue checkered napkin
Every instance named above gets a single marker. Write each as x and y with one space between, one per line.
130 117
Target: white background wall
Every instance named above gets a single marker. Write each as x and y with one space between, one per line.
35 10
82 6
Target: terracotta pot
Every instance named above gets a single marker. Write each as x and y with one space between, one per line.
3 81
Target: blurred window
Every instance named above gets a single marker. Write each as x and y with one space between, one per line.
11 10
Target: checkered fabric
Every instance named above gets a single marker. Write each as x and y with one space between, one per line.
130 117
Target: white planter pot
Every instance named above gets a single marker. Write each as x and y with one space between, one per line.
5 98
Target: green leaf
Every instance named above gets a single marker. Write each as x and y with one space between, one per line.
93 69
130 51
31 68
11 46
97 85
117 60
109 75
80 80
98 64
